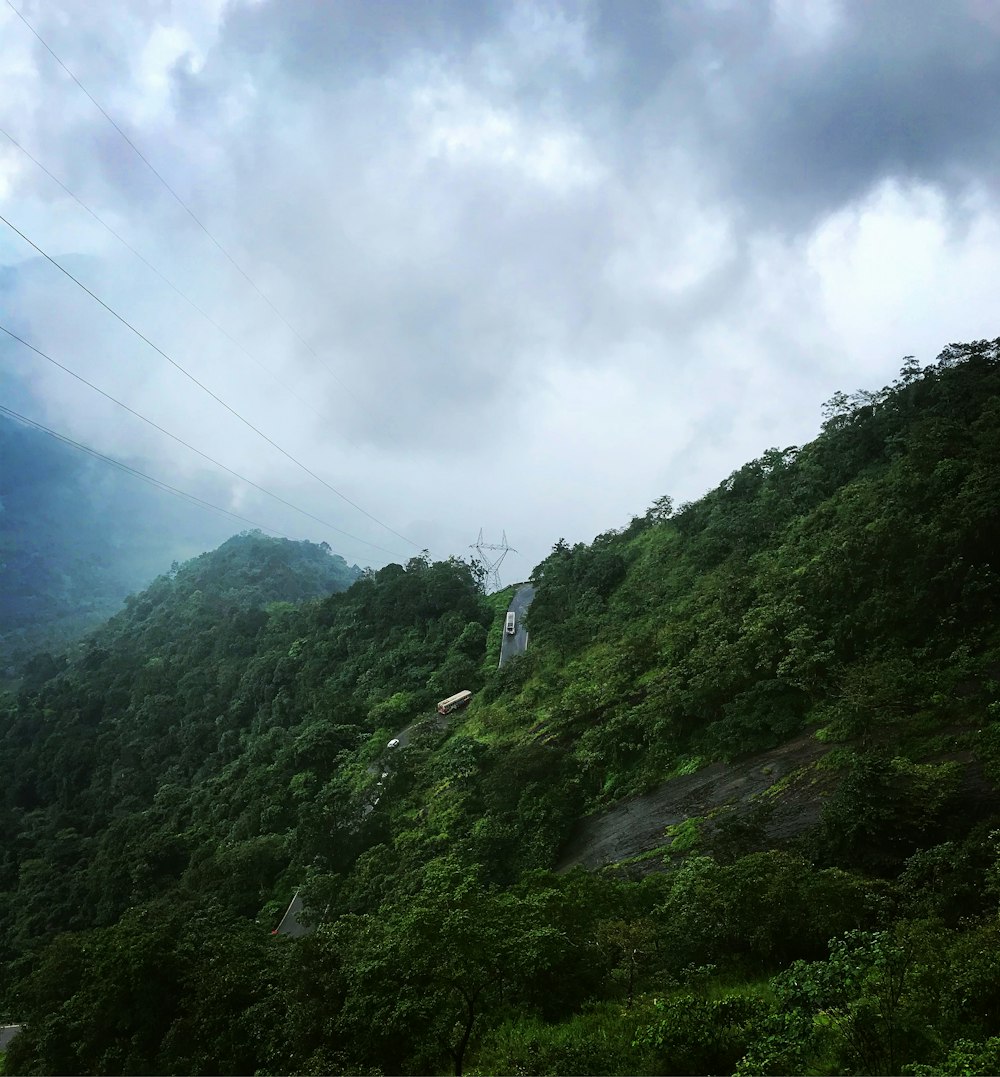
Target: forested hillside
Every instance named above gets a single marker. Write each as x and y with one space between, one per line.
804 665
76 537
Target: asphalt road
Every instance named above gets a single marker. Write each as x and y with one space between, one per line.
518 642
290 923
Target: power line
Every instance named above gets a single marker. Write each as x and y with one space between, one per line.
180 201
187 445
203 387
159 483
166 280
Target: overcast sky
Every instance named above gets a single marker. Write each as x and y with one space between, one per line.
534 264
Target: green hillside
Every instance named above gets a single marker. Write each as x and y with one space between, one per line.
736 810
76 538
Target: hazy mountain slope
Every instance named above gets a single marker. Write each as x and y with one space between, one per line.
76 537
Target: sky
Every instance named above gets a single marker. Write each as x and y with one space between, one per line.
522 267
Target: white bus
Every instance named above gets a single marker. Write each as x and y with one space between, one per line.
511 622
452 703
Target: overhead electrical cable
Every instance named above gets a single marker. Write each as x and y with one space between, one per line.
159 483
173 362
166 280
180 201
187 445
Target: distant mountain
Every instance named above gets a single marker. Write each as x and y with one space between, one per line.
77 537
247 572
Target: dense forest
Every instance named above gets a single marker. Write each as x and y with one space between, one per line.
804 664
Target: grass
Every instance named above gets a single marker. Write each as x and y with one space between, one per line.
598 1040
778 787
649 854
685 835
685 764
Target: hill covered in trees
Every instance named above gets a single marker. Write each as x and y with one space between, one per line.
804 664
77 537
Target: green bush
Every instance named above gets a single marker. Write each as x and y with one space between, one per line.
699 1035
597 1042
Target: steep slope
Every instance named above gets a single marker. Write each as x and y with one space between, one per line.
849 587
193 740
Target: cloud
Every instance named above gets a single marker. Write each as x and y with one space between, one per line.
798 110
542 262
317 43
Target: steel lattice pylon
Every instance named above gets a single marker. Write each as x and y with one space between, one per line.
491 565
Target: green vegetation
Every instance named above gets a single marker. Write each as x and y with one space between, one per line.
76 537
684 836
822 626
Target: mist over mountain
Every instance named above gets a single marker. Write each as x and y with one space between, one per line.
77 537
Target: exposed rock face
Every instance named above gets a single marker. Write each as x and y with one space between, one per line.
759 802
720 791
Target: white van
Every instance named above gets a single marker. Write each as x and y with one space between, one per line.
509 627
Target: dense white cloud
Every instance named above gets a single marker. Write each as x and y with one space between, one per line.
543 261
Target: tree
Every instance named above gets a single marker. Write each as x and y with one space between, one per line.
423 974
660 510
874 999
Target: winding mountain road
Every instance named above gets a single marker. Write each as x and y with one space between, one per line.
511 645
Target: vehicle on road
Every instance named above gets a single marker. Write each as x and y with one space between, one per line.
394 743
511 623
452 703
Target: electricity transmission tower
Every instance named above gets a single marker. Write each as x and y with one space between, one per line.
486 552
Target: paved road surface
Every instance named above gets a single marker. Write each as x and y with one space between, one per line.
7 1033
290 924
518 642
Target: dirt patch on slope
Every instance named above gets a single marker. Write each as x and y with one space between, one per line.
734 791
